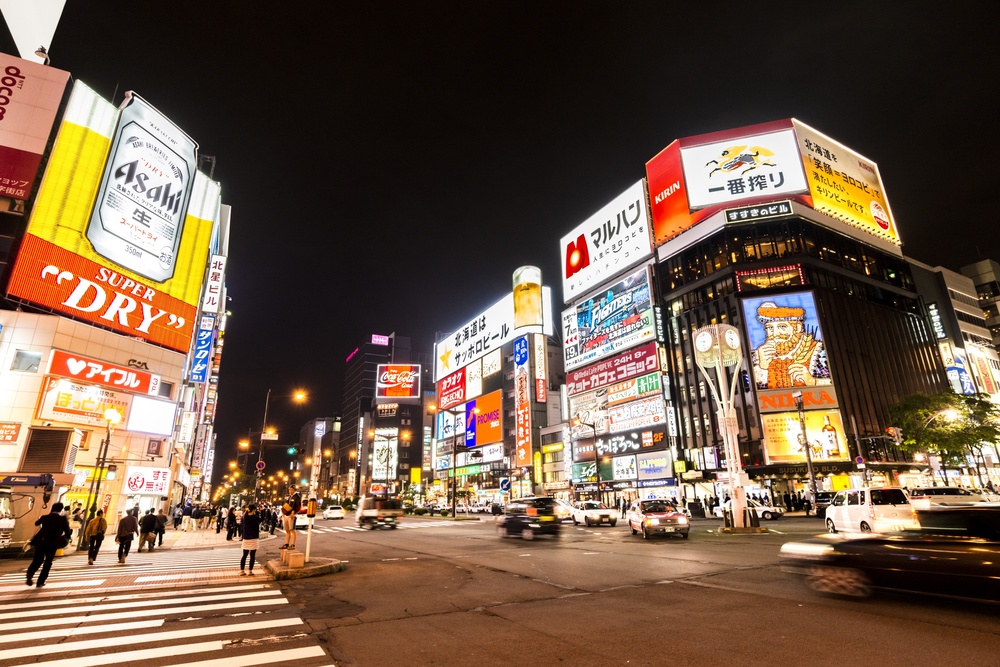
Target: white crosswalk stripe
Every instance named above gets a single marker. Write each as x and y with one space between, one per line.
246 624
349 528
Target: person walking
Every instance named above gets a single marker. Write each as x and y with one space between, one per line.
53 534
128 528
161 525
94 536
178 515
289 509
251 538
273 520
196 514
147 529
230 525
220 519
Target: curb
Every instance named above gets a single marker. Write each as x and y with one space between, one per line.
314 568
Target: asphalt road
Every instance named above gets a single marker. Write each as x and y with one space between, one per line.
443 593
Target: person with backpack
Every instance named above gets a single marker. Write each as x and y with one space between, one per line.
53 534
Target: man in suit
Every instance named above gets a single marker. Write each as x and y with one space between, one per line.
53 534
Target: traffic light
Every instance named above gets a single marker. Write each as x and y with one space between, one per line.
292 451
112 472
895 433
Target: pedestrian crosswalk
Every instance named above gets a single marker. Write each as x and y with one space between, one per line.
244 623
341 527
167 567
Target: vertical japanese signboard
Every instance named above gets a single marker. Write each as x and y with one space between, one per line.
522 402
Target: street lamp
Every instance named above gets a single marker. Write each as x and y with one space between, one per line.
804 441
111 419
597 461
298 396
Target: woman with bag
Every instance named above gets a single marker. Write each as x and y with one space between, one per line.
53 534
251 537
94 535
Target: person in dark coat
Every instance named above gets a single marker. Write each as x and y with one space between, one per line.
147 529
128 528
94 535
251 537
161 526
53 534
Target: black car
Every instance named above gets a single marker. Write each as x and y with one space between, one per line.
954 554
529 517
823 499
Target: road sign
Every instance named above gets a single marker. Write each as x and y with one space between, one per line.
505 484
859 460
260 465
269 436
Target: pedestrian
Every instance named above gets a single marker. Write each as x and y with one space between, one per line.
230 525
147 529
187 516
128 527
94 536
787 498
178 516
220 519
239 522
251 538
274 520
196 514
161 525
289 509
807 504
53 534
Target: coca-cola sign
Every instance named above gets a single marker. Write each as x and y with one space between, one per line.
398 381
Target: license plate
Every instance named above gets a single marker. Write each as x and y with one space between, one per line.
668 529
546 518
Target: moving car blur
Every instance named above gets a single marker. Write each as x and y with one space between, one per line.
529 517
766 512
953 552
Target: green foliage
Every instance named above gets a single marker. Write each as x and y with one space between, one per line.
445 512
420 511
947 424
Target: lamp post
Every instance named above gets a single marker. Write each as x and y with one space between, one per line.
299 396
718 346
597 459
111 419
804 441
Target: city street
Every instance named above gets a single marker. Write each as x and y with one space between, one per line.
437 592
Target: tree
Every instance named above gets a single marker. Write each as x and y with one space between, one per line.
952 426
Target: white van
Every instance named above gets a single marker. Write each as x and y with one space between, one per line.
929 496
876 510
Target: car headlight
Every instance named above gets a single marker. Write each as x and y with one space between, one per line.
806 550
652 522
682 520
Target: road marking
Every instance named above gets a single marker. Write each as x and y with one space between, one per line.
6 638
260 658
138 603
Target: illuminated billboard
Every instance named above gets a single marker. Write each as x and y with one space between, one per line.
695 177
385 454
522 402
824 433
397 381
843 184
610 322
57 266
484 336
87 369
484 420
30 94
611 241
628 364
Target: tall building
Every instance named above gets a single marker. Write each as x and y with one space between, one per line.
985 275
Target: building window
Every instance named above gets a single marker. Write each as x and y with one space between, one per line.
27 362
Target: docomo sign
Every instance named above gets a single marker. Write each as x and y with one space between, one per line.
397 381
102 372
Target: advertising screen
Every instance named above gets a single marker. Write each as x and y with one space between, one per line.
484 419
58 265
631 441
786 342
79 403
397 381
147 415
385 454
640 414
30 94
843 184
608 323
628 364
824 433
611 241
654 465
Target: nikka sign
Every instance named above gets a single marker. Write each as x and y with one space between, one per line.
781 400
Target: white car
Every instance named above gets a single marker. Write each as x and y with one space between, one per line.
880 509
301 520
564 510
333 512
593 513
765 512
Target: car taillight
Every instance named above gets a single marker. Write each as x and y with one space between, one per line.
532 511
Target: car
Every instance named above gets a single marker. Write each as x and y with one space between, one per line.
877 509
651 517
529 517
952 552
333 512
924 497
302 519
564 510
593 513
766 512
823 499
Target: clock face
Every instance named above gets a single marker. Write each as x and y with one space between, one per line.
732 339
703 341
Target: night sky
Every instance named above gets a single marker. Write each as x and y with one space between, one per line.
389 164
